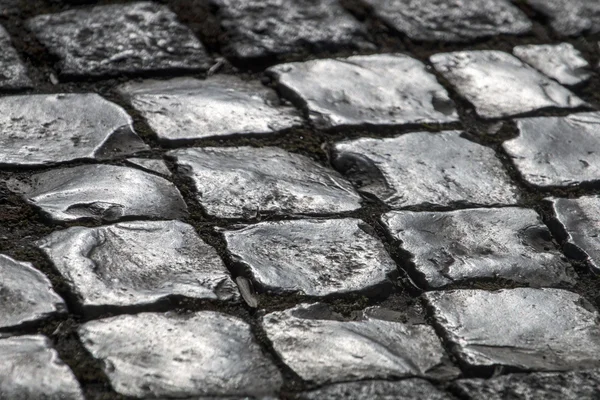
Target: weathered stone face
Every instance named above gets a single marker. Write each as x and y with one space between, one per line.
570 17
562 62
13 74
406 389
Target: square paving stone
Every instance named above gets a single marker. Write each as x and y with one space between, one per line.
451 21
31 369
423 168
313 257
500 85
26 295
13 74
168 355
112 39
486 243
246 182
44 129
379 89
186 108
557 151
137 263
266 28
570 17
321 347
524 328
407 389
562 62
101 192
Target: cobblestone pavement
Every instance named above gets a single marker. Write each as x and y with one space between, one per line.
308 199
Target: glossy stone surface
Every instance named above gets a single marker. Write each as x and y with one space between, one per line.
320 347
464 245
451 21
557 151
380 89
500 85
31 369
150 164
407 389
104 193
262 28
425 168
13 74
53 128
313 257
26 295
137 263
245 182
119 38
570 17
186 108
562 62
525 328
169 355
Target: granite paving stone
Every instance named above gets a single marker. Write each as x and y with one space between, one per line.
102 192
26 295
54 128
150 164
422 168
557 151
267 28
524 328
499 85
379 89
246 182
407 389
562 61
221 105
168 355
31 369
486 243
451 21
112 39
13 74
570 17
137 263
322 348
313 257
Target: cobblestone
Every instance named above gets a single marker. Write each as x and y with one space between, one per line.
151 165
408 389
13 73
570 17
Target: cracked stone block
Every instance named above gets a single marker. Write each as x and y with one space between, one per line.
149 164
119 38
500 85
458 246
13 74
576 385
562 62
557 151
245 182
137 263
31 369
26 295
187 109
169 355
313 257
423 168
321 347
454 21
101 192
379 89
54 128
523 328
267 28
407 389
570 17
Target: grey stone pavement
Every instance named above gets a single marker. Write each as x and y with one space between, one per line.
307 199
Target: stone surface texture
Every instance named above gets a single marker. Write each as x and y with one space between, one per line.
380 89
407 389
451 21
500 85
150 164
137 263
570 17
458 246
168 355
31 369
243 182
119 38
53 128
13 74
525 328
187 109
313 257
423 168
557 151
562 62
